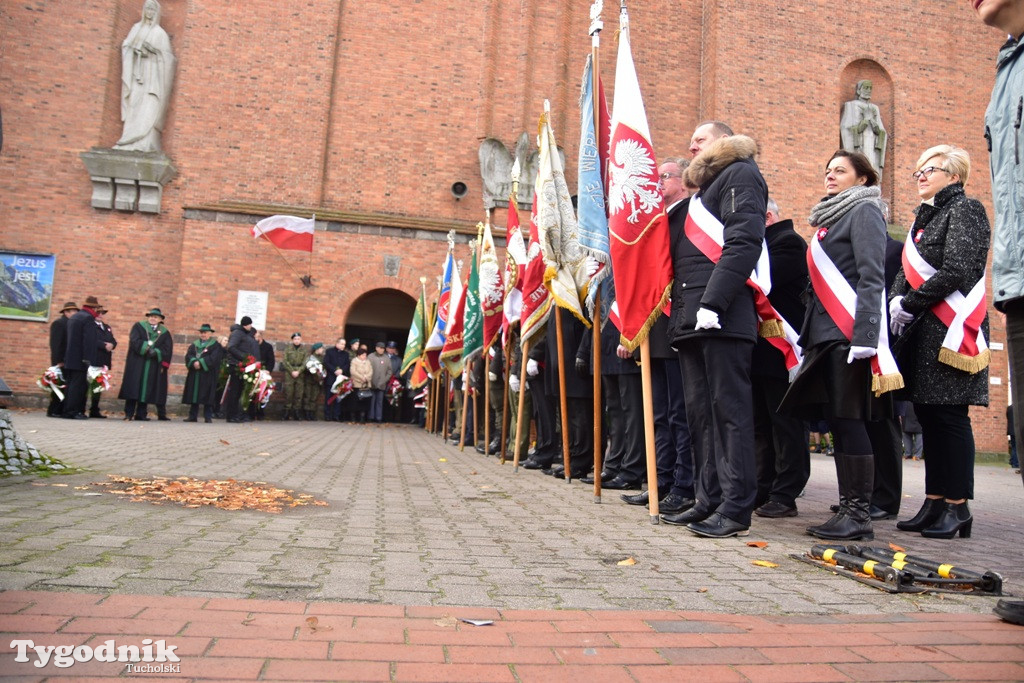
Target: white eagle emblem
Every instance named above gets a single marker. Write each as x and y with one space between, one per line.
631 186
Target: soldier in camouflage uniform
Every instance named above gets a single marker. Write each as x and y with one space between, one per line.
294 365
313 392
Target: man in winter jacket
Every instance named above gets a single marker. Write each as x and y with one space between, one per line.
241 345
58 346
79 355
714 326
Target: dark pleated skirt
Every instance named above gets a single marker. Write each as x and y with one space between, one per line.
828 387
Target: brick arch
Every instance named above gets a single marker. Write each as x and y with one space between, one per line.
370 277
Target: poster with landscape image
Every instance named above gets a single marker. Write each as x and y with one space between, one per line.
26 285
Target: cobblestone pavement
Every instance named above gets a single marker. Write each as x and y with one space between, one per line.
414 522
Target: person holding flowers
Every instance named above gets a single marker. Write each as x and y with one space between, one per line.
80 355
203 360
149 355
58 345
99 380
242 350
313 380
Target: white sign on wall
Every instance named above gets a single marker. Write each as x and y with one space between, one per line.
254 305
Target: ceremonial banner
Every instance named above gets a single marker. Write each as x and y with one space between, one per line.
492 291
417 331
536 297
515 268
473 316
286 232
451 354
592 209
432 352
565 272
637 224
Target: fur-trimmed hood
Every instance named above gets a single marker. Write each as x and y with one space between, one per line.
717 157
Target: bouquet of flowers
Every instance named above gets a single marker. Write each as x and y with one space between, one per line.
53 381
250 373
315 367
394 391
99 379
341 388
263 389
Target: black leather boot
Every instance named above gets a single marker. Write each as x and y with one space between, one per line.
856 478
925 517
955 517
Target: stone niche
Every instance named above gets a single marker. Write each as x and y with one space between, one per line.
127 180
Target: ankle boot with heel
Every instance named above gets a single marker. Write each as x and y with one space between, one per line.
925 517
955 518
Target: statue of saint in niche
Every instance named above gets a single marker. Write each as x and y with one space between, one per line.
861 128
147 73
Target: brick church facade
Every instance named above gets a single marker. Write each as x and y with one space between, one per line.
367 113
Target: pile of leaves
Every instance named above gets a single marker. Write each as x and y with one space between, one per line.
226 494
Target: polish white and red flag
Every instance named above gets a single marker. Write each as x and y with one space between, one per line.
637 224
286 232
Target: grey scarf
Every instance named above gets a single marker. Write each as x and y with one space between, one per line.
830 209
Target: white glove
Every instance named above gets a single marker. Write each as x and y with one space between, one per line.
861 352
593 265
896 312
465 378
707 320
532 368
491 352
492 376
513 383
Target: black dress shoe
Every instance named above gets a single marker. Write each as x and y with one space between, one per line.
642 498
620 484
878 513
77 416
235 420
773 509
675 503
718 526
97 416
531 464
208 420
163 418
191 419
694 514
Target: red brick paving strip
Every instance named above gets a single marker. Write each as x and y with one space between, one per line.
247 640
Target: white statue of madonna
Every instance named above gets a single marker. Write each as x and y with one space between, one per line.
147 74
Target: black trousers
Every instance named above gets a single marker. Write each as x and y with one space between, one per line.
544 413
672 443
614 425
135 409
581 435
74 394
1015 350
232 404
56 406
948 450
887 445
719 407
633 465
780 444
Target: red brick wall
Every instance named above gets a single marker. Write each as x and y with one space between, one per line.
378 107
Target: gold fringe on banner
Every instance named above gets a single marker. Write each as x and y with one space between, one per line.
971 364
881 384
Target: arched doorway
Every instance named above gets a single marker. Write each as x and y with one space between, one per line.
380 315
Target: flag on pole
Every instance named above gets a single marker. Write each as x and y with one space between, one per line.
286 232
515 267
435 343
419 375
592 209
473 316
637 224
417 332
492 291
451 353
536 297
565 268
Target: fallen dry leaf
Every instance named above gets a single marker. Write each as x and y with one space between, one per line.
263 453
764 563
442 459
227 494
628 562
702 590
62 486
757 544
226 443
446 621
896 548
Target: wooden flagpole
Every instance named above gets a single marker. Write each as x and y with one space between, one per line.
596 25
522 404
447 402
563 400
652 465
308 280
281 254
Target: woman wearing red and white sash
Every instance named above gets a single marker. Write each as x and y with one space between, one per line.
941 287
848 368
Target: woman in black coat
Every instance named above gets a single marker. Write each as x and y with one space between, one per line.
841 379
945 363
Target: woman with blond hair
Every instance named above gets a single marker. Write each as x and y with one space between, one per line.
938 303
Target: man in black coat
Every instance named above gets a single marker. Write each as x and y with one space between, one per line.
104 357
546 447
672 443
714 326
267 362
579 391
241 345
780 441
336 363
145 366
80 354
58 346
202 360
